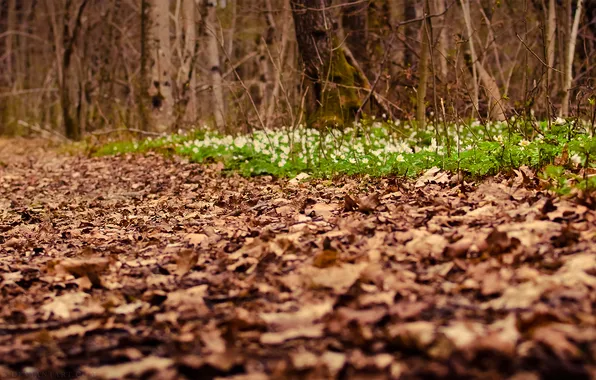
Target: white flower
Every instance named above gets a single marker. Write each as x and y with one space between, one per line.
560 121
281 163
524 143
576 159
400 158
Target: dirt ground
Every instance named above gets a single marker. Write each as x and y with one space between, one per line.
156 268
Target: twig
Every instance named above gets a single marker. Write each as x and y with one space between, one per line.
535 55
139 131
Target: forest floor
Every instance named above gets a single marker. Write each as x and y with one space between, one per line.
144 266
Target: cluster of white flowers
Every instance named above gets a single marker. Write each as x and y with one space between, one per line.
357 145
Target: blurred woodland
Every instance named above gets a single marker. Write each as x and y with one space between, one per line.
79 67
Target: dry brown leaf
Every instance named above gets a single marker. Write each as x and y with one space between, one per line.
276 338
88 267
419 335
563 158
135 368
187 259
427 245
307 315
349 203
339 278
326 258
323 210
196 239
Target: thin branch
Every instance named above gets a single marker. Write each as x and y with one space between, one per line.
535 55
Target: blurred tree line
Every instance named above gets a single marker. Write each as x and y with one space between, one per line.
75 67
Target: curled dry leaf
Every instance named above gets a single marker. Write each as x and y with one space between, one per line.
363 204
89 267
432 175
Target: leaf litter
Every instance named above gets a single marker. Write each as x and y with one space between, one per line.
147 267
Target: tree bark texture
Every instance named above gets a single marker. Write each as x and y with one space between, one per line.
161 91
214 64
334 79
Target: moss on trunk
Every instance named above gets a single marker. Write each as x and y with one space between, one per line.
338 94
334 79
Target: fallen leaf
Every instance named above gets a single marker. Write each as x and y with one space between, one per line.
276 338
135 368
325 259
187 259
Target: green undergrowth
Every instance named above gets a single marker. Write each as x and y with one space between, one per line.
558 150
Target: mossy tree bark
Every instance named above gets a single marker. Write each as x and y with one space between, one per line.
335 80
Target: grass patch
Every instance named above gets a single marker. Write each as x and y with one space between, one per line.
388 148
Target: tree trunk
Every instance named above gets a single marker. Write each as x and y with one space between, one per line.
568 72
550 28
334 78
161 91
65 37
465 4
187 78
439 7
11 26
354 23
423 73
279 59
143 94
397 14
214 64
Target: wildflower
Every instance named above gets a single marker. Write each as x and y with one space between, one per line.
560 121
524 143
576 159
400 158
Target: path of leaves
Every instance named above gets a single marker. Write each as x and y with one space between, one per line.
145 267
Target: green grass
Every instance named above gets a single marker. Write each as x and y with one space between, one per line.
388 148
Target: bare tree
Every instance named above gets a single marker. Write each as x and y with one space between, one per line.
161 91
425 42
65 30
569 57
213 62
187 76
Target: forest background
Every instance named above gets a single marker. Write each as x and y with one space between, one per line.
78 67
